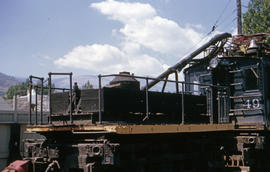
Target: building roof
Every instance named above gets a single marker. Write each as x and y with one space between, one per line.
23 103
4 106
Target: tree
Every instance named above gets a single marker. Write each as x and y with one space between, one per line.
87 85
20 89
257 18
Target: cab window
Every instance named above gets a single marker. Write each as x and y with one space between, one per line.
251 78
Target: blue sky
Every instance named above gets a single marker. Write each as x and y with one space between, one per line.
92 37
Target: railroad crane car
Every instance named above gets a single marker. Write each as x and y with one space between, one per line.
217 119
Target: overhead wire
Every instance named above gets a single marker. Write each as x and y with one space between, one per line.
219 17
197 44
232 16
228 24
214 27
224 24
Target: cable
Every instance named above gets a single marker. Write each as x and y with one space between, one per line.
195 45
215 24
227 24
212 29
225 21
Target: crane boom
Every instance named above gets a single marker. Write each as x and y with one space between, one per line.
184 61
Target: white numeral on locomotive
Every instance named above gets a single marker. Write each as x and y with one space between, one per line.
255 103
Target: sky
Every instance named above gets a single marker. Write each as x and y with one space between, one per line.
90 37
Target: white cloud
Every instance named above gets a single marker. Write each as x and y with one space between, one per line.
143 34
142 25
92 57
161 35
125 12
109 59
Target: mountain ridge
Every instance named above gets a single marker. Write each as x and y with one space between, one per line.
7 81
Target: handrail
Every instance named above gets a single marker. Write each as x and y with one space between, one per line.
181 91
30 98
158 79
205 86
70 93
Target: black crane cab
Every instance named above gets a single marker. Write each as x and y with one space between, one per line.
244 68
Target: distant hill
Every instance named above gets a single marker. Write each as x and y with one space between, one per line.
7 81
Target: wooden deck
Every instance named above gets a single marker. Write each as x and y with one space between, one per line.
134 129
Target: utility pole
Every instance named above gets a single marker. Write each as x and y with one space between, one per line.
239 17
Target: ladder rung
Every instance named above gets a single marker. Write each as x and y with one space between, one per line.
234 110
239 83
235 71
245 96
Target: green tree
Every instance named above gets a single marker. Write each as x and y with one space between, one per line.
257 18
20 89
87 85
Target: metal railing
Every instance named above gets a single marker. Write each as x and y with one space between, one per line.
181 87
41 87
70 94
221 98
30 100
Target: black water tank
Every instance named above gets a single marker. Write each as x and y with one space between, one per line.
125 81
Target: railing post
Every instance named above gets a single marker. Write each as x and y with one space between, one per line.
146 100
176 83
41 102
227 104
30 100
99 100
183 103
50 96
71 96
211 105
220 114
36 102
